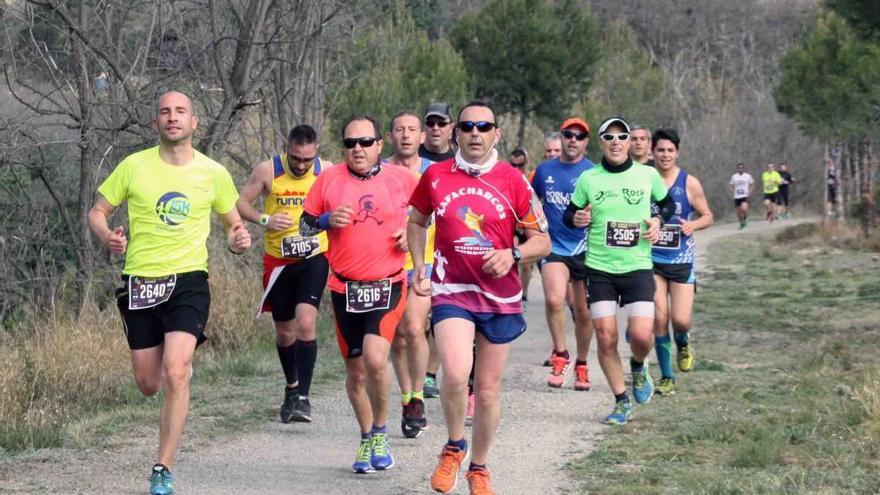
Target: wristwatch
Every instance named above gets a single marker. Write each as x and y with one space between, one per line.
264 220
517 256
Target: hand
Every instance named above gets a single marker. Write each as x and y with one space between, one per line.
279 222
340 217
421 285
582 218
687 227
498 262
400 240
652 235
239 239
116 240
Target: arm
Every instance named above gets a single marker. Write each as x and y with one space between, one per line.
114 239
698 200
259 182
417 233
667 211
237 236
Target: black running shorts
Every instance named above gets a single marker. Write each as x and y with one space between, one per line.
739 201
186 310
351 328
576 268
299 283
623 288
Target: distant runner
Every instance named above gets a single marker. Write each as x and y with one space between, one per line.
782 199
614 199
294 266
363 207
771 181
673 257
742 185
640 147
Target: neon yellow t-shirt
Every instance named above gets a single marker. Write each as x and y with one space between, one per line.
169 210
771 182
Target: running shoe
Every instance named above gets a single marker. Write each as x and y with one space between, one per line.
362 460
418 411
445 476
469 414
287 407
558 370
302 410
582 378
408 424
547 362
643 385
381 457
431 389
685 359
666 386
161 481
621 415
478 480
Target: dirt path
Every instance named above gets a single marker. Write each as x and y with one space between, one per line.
541 430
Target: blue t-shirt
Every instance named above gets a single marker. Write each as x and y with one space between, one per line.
554 184
674 247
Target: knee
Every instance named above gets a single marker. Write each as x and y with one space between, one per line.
356 378
455 380
555 302
305 327
487 395
285 335
681 325
177 376
606 338
375 365
148 385
398 344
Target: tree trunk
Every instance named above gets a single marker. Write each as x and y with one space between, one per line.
521 132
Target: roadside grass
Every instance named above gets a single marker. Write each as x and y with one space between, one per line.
785 396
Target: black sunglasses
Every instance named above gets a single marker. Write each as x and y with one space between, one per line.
482 126
365 142
436 123
580 136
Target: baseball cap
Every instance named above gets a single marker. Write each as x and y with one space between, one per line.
611 121
439 110
574 121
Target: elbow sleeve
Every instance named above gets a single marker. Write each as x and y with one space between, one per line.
667 208
568 214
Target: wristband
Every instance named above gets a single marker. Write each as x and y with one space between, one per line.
264 220
324 221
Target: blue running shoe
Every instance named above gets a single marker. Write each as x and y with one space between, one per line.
621 415
381 458
643 385
161 481
362 461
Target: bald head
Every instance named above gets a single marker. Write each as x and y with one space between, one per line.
175 120
173 99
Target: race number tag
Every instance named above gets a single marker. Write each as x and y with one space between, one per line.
740 192
622 234
145 292
295 246
670 237
363 297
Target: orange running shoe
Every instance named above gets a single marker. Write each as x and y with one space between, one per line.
478 479
557 373
445 476
582 377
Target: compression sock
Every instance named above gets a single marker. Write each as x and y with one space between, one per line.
405 397
418 395
663 348
681 339
306 354
287 355
458 444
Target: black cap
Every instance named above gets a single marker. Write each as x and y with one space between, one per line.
438 110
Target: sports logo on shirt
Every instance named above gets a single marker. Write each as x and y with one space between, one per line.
173 208
367 210
633 196
477 243
603 195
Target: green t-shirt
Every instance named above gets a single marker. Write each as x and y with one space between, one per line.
771 182
169 210
621 204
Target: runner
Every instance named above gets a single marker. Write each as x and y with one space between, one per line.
409 350
554 184
519 158
673 257
294 267
616 197
437 148
477 201
362 206
170 190
771 181
640 148
742 185
782 199
831 182
552 145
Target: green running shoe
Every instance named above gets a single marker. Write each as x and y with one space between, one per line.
431 390
685 359
161 481
666 386
621 415
643 385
